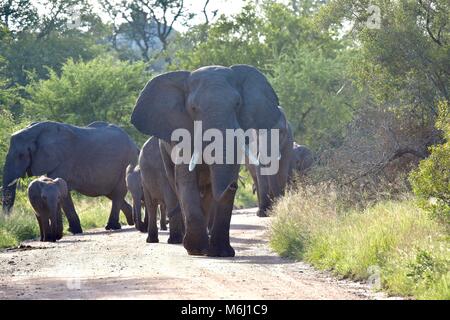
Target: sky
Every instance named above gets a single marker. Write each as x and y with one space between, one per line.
226 7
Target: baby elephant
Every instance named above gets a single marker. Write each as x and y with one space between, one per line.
45 196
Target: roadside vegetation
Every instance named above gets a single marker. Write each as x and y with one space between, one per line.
394 244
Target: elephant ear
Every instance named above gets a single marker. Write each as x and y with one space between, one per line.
160 108
51 140
260 102
62 187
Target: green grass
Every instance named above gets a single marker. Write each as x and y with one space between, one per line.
244 196
394 244
22 224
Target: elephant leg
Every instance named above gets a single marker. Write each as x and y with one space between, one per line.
137 203
71 214
263 195
113 221
41 230
208 206
145 217
152 208
196 237
163 216
59 221
46 230
219 242
127 211
173 210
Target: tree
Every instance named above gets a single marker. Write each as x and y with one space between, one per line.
431 180
103 89
404 63
146 22
307 67
18 15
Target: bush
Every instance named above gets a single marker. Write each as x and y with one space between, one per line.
431 180
393 244
103 89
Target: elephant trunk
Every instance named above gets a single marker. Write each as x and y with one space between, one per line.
10 178
224 181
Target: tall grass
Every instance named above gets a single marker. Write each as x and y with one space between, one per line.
394 244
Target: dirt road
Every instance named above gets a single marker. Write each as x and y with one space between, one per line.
120 265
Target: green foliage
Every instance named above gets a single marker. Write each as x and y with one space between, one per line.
102 89
431 180
404 64
7 127
33 42
244 196
393 244
311 88
307 67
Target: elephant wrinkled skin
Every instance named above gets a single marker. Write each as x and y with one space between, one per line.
92 160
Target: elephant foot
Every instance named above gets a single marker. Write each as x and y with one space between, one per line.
196 245
220 250
140 227
262 213
130 221
75 229
175 239
163 227
113 226
59 237
152 239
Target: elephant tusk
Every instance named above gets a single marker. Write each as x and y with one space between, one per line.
194 160
253 159
13 182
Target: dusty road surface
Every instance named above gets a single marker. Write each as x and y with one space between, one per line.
120 265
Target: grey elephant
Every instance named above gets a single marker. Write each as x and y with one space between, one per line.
92 160
270 187
222 98
159 191
134 185
302 159
46 196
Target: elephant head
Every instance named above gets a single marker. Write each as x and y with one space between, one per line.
222 98
35 150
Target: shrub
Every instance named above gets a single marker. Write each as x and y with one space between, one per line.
431 180
103 89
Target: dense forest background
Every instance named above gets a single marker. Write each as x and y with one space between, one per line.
365 84
362 88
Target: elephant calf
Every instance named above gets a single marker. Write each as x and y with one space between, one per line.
46 196
134 185
302 159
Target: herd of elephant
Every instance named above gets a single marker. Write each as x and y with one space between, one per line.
102 160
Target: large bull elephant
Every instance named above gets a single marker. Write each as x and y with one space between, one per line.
222 98
270 187
92 160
